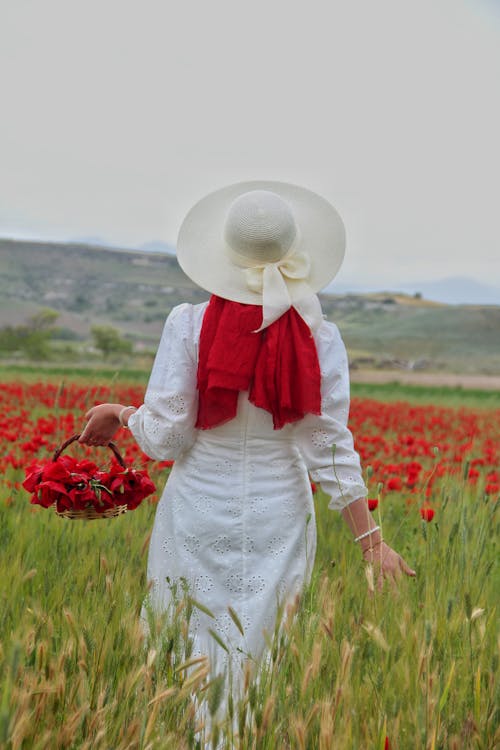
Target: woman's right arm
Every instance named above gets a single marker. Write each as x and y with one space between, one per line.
164 425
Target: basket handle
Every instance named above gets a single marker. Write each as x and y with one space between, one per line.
73 438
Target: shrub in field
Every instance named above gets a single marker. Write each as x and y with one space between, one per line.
33 338
110 341
351 667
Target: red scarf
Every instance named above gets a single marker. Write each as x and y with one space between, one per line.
278 366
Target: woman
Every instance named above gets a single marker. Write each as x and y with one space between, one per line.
249 394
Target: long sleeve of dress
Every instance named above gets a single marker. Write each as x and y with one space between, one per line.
340 474
164 425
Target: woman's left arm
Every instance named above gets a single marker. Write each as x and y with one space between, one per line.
338 470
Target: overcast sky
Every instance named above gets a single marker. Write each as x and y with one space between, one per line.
116 116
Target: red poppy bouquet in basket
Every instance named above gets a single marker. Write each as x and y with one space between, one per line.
79 489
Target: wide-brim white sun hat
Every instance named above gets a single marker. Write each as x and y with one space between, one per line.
259 242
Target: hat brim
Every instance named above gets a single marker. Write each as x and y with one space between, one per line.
203 255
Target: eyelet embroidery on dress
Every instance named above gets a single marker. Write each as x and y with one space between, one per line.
289 508
194 621
168 546
174 441
276 546
223 468
248 544
258 505
256 584
154 425
222 544
237 584
279 467
176 404
320 439
233 507
246 622
203 504
225 625
203 583
282 588
191 544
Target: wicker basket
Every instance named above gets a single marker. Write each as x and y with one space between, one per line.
89 513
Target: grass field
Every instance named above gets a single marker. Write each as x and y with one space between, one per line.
415 667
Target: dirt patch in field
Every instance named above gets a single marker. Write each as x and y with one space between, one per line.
478 382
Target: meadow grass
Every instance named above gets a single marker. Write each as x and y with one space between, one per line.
76 373
417 664
454 396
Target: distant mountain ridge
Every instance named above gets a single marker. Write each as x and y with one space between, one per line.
452 290
153 246
134 291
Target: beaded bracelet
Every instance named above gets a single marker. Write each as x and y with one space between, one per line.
367 533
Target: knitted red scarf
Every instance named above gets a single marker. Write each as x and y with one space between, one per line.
278 366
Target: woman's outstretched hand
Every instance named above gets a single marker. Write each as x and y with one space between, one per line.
103 423
387 564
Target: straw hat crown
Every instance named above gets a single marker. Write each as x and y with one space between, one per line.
260 226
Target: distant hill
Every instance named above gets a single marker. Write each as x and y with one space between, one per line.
88 284
134 291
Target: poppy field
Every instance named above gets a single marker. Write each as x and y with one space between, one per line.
409 666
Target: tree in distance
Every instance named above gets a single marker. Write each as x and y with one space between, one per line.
32 338
110 341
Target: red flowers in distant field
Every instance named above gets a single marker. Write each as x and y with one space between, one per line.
427 513
74 485
410 448
372 503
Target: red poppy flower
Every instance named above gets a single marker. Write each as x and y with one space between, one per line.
427 513
394 483
372 503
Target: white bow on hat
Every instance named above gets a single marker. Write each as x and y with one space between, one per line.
270 280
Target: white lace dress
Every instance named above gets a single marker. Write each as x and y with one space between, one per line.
236 519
